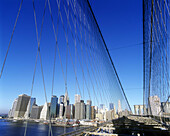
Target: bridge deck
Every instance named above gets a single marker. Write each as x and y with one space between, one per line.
125 126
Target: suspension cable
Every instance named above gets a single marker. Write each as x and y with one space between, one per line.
38 51
16 20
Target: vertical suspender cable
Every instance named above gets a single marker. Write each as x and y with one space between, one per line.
109 56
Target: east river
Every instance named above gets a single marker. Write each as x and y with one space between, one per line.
33 129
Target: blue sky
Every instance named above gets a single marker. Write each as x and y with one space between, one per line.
120 23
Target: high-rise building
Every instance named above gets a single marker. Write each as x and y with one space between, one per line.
89 102
61 99
21 107
114 109
88 109
70 111
66 99
111 106
155 105
100 116
77 110
96 109
93 112
58 110
31 102
82 109
102 106
35 112
66 103
119 107
53 106
77 98
11 113
61 110
110 115
45 111
166 107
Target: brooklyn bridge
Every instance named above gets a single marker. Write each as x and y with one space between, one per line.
67 66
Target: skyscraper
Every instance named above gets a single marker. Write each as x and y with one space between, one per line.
61 99
93 112
119 107
35 112
155 105
70 111
58 110
77 98
66 103
88 109
166 107
11 113
89 102
82 109
77 110
96 109
61 110
111 106
45 111
110 115
53 106
31 102
21 107
66 99
102 106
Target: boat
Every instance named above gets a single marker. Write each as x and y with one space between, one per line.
75 125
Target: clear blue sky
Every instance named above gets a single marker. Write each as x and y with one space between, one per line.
120 23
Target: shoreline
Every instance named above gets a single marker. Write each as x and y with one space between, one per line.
46 122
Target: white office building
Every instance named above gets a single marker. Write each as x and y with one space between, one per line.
77 98
11 113
45 112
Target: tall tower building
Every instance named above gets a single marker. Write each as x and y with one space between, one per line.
31 102
61 99
53 106
119 107
70 111
102 106
45 111
89 102
61 110
114 109
66 99
88 109
11 113
111 106
166 107
35 112
93 112
155 105
96 108
77 110
21 107
77 98
82 109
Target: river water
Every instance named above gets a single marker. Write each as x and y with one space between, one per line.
33 129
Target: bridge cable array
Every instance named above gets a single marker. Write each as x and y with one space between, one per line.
85 50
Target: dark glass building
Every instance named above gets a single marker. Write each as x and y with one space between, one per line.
53 106
111 106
